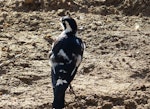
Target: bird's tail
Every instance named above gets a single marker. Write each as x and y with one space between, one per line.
59 96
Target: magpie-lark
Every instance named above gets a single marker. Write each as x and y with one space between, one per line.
65 57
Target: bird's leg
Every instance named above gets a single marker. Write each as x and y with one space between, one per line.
71 90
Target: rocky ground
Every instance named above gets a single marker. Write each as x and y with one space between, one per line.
115 72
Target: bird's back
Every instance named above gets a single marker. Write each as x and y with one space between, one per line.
68 46
66 55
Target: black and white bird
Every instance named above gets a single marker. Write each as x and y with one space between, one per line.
65 57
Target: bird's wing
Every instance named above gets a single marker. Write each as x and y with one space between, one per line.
66 57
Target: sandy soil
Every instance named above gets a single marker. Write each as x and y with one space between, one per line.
114 74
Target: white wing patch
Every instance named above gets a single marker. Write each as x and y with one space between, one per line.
79 59
73 71
52 56
63 71
63 54
60 82
77 41
83 46
54 64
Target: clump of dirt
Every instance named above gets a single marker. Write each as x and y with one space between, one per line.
46 5
103 7
131 7
130 104
114 73
137 7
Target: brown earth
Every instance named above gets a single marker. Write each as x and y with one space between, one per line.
115 72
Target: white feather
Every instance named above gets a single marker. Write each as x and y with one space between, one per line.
60 82
68 28
77 41
62 54
63 71
79 59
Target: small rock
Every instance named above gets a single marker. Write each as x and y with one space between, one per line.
4 91
91 101
147 106
1 20
61 12
1 93
130 104
28 1
88 68
118 107
49 38
107 105
4 14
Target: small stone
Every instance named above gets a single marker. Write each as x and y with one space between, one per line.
107 105
130 104
147 106
61 12
1 20
90 100
28 1
4 14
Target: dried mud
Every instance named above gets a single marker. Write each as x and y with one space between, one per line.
114 74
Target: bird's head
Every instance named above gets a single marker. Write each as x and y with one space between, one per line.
69 24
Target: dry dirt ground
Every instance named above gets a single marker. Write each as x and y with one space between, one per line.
114 74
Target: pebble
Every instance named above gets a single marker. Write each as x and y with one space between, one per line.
130 104
107 105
